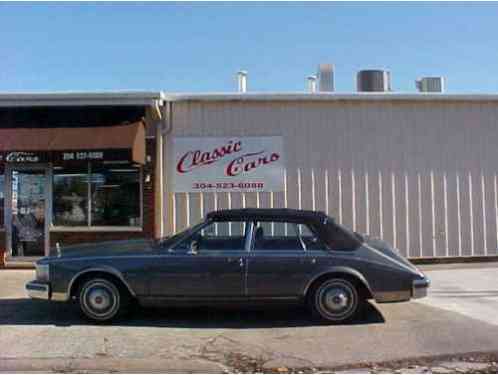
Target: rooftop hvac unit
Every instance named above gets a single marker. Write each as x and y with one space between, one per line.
430 84
373 81
325 76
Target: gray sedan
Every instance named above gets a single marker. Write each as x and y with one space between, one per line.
235 256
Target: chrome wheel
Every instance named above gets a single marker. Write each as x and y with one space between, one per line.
336 300
100 299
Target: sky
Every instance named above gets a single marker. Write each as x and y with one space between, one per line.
199 47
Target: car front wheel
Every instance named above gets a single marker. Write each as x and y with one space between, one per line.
100 300
336 300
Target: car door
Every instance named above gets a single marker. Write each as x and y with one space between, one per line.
211 262
279 265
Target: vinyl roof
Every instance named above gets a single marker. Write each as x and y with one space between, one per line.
266 213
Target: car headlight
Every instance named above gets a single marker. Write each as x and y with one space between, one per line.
43 272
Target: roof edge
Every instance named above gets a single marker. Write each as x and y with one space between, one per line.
322 96
102 98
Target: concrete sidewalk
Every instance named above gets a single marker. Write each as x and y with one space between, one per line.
47 336
469 289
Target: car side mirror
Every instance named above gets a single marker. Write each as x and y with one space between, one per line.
194 248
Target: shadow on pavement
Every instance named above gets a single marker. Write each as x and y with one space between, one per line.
24 311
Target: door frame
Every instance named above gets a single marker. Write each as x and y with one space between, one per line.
46 168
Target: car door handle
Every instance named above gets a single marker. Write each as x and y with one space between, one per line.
233 260
308 260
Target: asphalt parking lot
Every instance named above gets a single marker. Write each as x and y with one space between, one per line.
459 316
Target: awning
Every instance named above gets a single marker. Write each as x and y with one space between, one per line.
75 143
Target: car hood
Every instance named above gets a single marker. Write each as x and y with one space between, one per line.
103 249
389 251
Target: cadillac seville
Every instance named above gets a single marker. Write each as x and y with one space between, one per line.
234 256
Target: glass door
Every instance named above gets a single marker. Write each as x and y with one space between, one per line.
27 212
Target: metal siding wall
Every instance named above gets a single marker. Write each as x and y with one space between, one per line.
421 175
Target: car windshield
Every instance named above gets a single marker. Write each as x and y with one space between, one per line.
169 241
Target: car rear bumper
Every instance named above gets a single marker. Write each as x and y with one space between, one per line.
420 288
38 290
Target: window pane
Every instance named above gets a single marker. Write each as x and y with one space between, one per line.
115 195
277 236
2 197
216 236
285 236
310 240
70 196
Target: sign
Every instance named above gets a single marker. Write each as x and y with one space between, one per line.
63 157
20 157
228 164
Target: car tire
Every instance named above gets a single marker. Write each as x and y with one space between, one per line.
336 301
101 300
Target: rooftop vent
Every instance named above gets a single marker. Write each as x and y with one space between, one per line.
430 84
311 84
325 77
373 81
242 80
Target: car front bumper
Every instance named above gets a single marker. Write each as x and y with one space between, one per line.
38 290
420 288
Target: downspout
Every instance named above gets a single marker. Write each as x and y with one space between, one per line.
167 211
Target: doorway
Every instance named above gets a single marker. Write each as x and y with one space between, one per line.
27 211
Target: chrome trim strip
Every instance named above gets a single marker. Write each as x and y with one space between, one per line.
394 296
38 290
420 288
59 297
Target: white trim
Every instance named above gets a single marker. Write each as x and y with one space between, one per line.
484 223
459 215
367 204
407 214
327 191
419 209
353 199
471 214
393 204
339 182
445 202
381 209
433 214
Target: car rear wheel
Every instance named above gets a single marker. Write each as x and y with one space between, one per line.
101 300
336 300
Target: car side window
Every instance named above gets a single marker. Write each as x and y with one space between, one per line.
216 236
270 235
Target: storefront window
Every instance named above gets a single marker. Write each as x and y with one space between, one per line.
115 196
70 192
97 196
2 198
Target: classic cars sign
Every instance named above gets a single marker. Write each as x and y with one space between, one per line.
227 164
